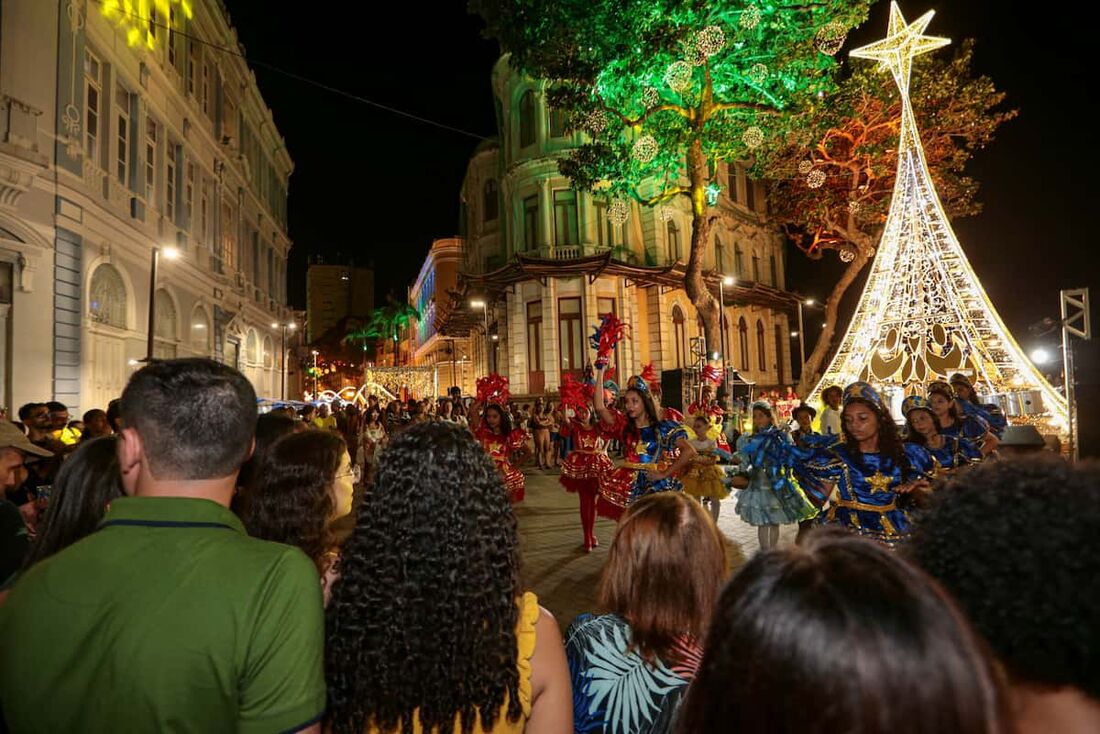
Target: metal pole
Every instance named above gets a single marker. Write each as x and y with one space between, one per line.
283 390
488 346
722 321
152 303
801 344
454 380
314 375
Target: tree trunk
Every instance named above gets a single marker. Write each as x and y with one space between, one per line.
811 370
705 303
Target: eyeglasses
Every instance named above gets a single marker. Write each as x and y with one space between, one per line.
356 475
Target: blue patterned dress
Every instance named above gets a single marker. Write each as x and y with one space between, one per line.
768 500
654 447
615 691
956 452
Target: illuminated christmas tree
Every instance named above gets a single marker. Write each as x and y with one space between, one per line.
923 314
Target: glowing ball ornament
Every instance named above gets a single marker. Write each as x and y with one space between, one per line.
651 97
711 40
644 149
815 179
595 122
618 212
758 73
750 17
847 256
753 138
830 38
805 166
678 76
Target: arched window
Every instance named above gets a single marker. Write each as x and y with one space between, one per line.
252 348
674 253
165 327
738 260
269 353
762 357
201 331
719 255
679 335
559 122
490 202
527 119
743 342
107 302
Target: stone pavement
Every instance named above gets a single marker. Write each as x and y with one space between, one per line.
555 565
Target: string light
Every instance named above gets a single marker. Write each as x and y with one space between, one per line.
853 207
815 179
753 138
805 166
595 121
922 299
750 17
678 76
651 97
830 38
847 256
618 212
711 40
645 149
758 73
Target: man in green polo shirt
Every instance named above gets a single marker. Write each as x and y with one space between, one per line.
169 617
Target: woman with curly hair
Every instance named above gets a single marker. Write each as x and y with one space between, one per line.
304 485
429 629
836 636
631 666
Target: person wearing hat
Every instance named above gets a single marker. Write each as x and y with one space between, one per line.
830 414
953 422
923 429
872 470
15 449
803 415
967 399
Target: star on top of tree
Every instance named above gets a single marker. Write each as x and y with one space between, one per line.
903 42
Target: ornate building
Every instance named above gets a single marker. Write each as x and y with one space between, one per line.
548 261
126 128
452 356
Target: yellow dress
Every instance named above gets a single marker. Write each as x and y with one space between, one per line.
703 477
525 642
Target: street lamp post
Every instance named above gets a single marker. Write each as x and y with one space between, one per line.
284 327
722 337
802 338
170 253
484 306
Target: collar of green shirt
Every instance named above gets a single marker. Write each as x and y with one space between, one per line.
170 512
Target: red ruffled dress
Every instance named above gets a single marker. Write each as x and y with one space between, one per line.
653 448
500 448
587 462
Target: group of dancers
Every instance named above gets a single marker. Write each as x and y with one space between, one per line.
860 470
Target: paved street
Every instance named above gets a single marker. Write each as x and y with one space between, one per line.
555 565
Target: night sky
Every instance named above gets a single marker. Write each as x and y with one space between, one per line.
377 187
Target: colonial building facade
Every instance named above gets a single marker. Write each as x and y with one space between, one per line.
121 133
548 261
454 357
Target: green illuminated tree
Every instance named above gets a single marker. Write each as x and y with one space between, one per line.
833 182
385 324
666 89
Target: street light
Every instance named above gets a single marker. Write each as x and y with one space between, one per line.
1040 356
484 306
284 328
170 253
801 334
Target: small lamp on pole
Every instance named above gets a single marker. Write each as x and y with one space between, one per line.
170 253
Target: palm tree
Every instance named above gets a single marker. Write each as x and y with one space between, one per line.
386 323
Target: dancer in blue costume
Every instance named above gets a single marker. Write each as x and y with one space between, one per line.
954 421
871 469
923 428
967 399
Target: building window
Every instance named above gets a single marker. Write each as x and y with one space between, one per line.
674 252
189 195
122 152
761 357
200 331
165 327
229 239
252 349
731 180
152 20
93 102
530 222
107 303
229 130
559 122
193 64
606 231
679 336
566 231
774 271
570 336
170 182
256 258
150 159
527 119
719 256
172 36
206 86
750 193
755 268
204 213
271 276
534 336
738 260
490 201
743 342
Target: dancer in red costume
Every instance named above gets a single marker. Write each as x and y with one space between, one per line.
584 466
492 426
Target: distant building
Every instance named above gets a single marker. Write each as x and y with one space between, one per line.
335 292
121 132
431 295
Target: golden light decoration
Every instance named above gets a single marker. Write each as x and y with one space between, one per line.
853 206
805 166
664 213
618 212
651 97
922 300
753 137
710 40
140 20
830 38
750 17
758 73
846 255
595 122
421 382
678 76
815 179
644 149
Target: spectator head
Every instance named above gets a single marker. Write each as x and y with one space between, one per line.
307 412
304 483
87 482
270 427
114 415
663 572
185 420
435 547
804 416
861 640
323 411
59 414
95 424
15 448
1011 540
36 417
832 396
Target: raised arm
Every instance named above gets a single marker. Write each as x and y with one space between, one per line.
606 416
474 418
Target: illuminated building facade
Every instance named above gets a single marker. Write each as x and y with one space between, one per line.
430 295
122 130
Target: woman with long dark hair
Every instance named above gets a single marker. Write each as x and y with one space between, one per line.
632 665
85 485
540 429
306 482
838 636
967 401
492 425
429 628
923 428
372 438
656 451
270 427
941 400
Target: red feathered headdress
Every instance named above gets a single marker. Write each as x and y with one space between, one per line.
493 390
712 374
606 337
